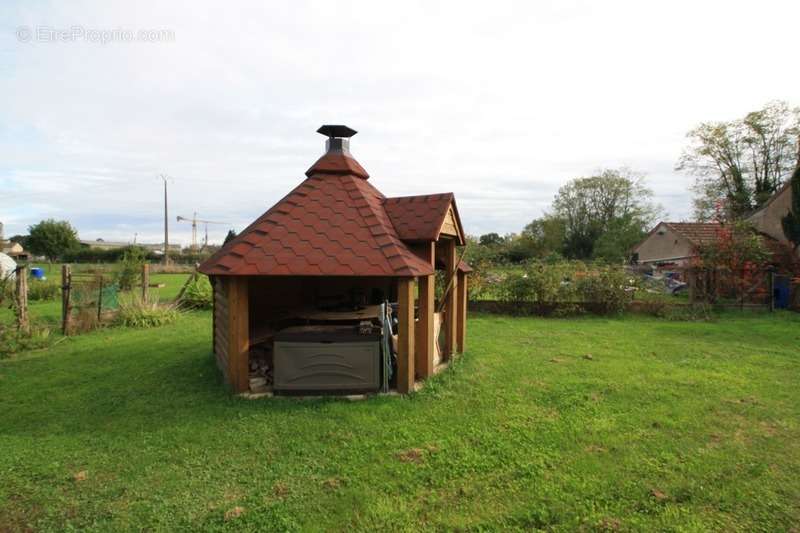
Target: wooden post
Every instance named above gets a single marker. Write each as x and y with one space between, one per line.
771 288
145 281
461 316
424 343
450 309
405 335
100 299
238 334
66 309
23 323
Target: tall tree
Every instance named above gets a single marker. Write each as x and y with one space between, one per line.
741 163
52 238
590 207
229 237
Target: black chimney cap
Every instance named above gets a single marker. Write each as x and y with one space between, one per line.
333 130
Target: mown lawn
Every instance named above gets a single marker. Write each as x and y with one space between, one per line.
559 424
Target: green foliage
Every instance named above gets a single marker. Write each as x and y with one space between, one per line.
137 313
198 294
43 290
52 238
129 272
229 237
565 283
791 222
741 163
490 239
613 200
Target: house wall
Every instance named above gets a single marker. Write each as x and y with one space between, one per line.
221 319
768 219
663 244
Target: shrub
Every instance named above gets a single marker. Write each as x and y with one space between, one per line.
137 313
608 288
198 293
43 290
130 268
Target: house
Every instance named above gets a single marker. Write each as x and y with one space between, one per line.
300 294
15 251
674 243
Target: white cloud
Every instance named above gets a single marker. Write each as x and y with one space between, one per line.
499 103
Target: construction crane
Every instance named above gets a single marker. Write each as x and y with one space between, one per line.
194 220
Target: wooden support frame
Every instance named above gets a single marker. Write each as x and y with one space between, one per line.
405 335
424 348
23 324
451 299
145 280
461 316
238 334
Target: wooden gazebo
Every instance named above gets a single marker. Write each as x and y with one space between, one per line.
336 234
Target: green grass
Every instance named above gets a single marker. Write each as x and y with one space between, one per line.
668 426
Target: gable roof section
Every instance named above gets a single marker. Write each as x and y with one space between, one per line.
332 224
420 218
697 233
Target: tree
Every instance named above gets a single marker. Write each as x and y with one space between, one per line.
615 243
589 207
547 235
229 237
791 222
490 239
52 238
742 162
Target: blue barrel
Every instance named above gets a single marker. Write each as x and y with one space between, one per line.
37 273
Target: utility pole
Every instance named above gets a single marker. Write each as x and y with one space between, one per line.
165 178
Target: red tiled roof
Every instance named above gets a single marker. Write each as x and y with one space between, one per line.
696 232
419 218
332 224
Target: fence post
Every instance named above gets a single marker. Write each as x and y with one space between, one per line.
145 280
100 299
66 286
22 299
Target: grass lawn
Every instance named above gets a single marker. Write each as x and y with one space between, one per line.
666 426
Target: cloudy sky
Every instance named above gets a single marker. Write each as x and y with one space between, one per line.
499 102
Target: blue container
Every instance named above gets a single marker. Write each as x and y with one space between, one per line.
37 273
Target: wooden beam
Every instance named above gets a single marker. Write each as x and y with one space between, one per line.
461 316
425 339
238 334
405 335
450 306
145 280
424 346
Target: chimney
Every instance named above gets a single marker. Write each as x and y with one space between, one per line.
338 138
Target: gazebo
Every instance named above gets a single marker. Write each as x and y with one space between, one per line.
331 250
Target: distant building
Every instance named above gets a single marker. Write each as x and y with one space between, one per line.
15 251
102 244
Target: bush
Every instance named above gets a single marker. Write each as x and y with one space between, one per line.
565 286
43 290
130 268
13 341
198 293
137 313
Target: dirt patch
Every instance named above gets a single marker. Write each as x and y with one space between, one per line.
280 490
332 483
236 512
80 476
608 524
413 455
594 448
658 495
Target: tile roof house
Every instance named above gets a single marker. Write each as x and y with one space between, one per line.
335 234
